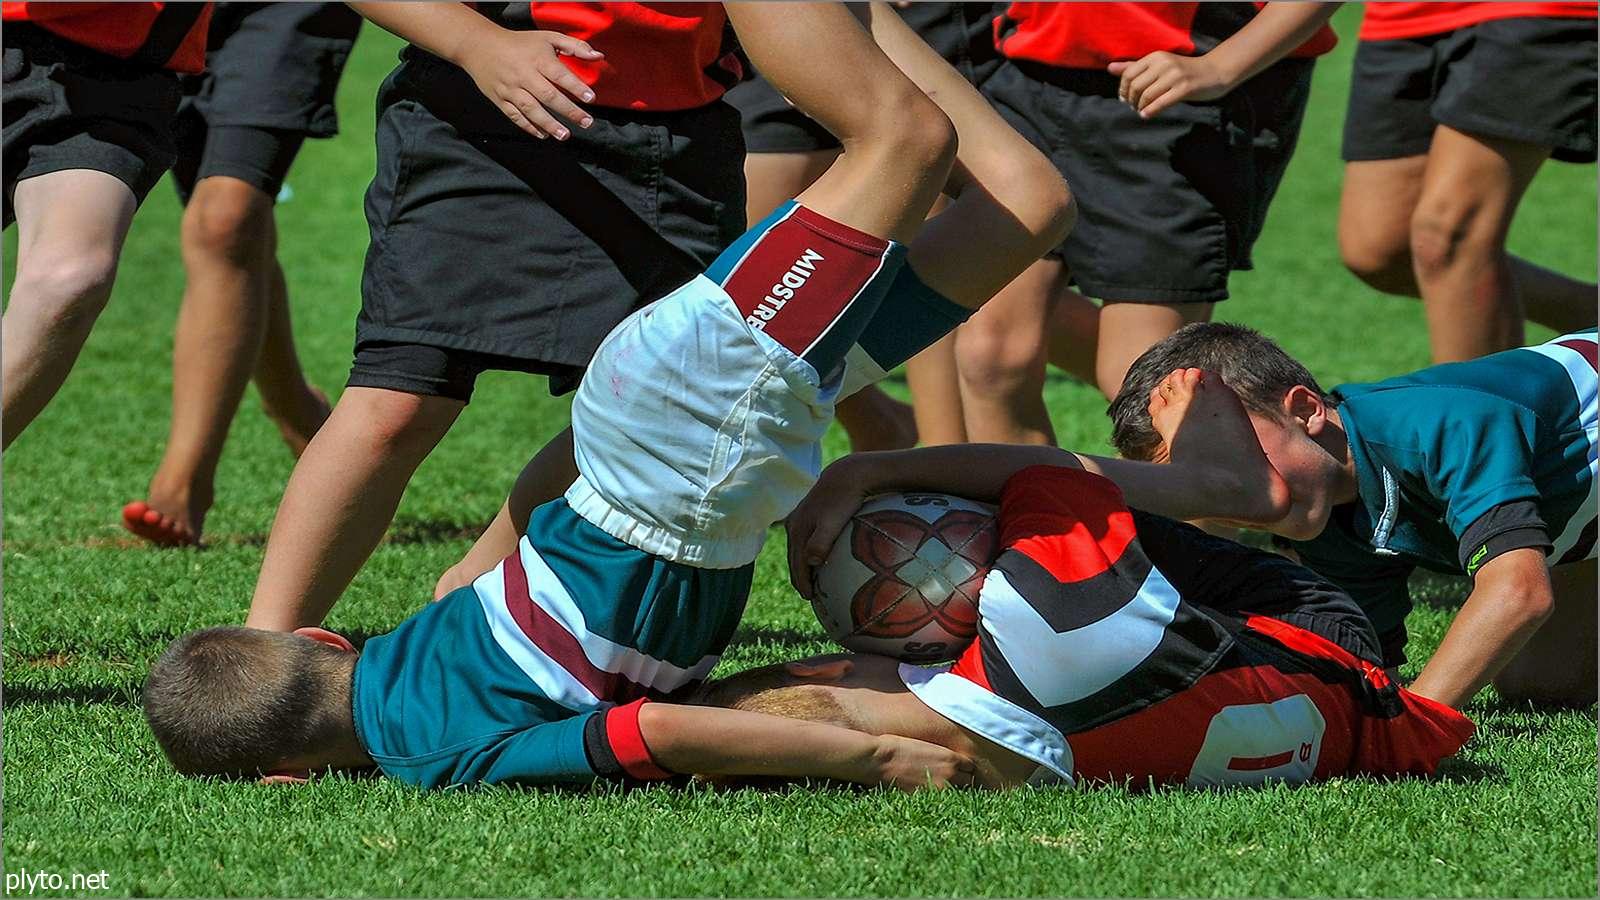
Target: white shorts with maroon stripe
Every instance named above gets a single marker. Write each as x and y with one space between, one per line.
698 423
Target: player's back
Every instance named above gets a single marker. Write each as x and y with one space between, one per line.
498 681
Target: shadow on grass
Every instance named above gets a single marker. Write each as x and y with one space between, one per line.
1464 771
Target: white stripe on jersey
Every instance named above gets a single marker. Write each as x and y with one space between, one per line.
990 715
1586 383
547 591
1060 668
552 680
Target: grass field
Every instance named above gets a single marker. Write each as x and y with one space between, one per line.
85 788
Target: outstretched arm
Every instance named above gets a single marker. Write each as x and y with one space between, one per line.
1511 597
712 741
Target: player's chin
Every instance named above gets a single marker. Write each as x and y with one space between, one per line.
1304 521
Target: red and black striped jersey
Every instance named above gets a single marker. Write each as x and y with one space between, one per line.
1092 35
166 35
1119 646
1393 21
658 56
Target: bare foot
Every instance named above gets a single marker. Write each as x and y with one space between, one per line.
298 426
876 421
1203 425
157 527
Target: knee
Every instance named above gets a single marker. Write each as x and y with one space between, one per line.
1381 260
1031 188
1447 228
397 422
66 286
234 225
999 358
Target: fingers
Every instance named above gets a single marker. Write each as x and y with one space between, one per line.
521 121
562 77
1159 98
567 45
1135 87
799 572
1129 72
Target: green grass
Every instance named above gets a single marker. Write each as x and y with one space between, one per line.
86 789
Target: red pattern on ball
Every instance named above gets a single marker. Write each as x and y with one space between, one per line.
886 606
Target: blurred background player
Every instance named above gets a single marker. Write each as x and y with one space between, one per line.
510 230
89 94
272 70
785 151
1174 123
1453 109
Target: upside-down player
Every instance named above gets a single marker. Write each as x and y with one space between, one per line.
696 428
1116 645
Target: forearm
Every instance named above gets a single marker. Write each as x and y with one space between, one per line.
1273 34
442 29
1497 620
704 740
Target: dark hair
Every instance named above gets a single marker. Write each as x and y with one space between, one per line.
238 701
1253 365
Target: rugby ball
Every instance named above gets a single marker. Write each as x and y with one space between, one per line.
902 580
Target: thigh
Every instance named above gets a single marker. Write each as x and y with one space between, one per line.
1557 666
72 213
1485 175
1128 329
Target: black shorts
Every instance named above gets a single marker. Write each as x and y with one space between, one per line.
1167 207
1528 80
962 33
487 241
69 107
272 70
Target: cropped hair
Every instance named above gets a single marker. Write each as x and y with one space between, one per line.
239 701
1257 369
772 690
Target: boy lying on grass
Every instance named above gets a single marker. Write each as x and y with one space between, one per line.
697 427
1485 468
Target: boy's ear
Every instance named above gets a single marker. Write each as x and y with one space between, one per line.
324 636
1307 407
829 670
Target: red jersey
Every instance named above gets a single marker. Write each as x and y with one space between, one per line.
1391 21
1092 35
1124 647
168 35
658 56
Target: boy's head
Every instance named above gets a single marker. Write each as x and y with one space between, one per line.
241 701
1287 408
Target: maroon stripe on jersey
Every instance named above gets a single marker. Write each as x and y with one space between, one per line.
559 644
800 277
1257 763
1585 348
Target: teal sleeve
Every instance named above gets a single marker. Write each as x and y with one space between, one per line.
550 752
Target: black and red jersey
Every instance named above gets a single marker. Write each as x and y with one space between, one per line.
658 56
166 35
1092 35
1394 21
1120 646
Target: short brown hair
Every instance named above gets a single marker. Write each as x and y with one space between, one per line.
239 701
1252 364
773 691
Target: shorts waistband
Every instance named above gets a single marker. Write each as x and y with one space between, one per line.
723 553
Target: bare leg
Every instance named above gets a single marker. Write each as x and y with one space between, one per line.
1375 216
1129 329
227 252
1074 334
341 499
1001 353
70 230
545 477
297 408
1557 665
1470 192
936 394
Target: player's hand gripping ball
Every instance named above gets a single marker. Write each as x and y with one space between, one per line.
902 580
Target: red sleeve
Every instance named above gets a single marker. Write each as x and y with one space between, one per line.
1073 523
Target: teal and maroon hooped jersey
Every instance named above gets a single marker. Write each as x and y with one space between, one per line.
1459 463
535 673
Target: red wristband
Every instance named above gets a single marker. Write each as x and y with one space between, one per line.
627 742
